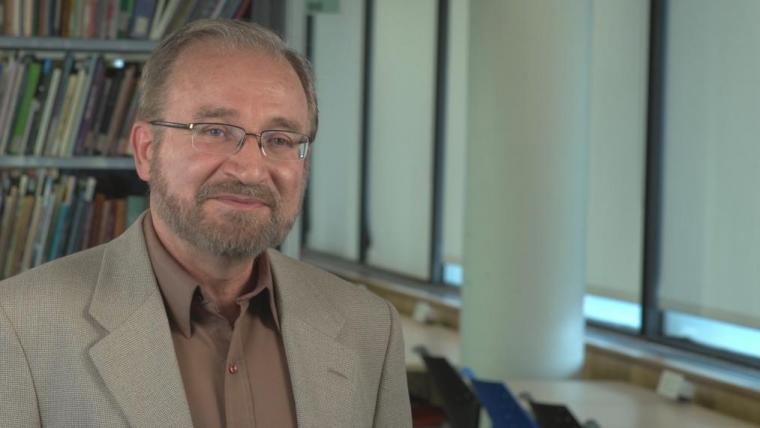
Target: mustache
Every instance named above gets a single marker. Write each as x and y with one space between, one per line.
257 191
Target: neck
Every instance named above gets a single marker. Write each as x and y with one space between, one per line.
222 279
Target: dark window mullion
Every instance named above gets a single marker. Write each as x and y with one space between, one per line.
365 239
439 143
651 325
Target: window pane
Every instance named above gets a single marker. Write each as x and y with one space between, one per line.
456 133
334 199
401 135
618 313
710 228
617 147
716 334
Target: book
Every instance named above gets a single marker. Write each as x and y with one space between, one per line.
126 91
62 220
125 17
243 10
230 7
158 12
42 193
47 110
101 137
18 239
136 204
64 19
8 220
80 100
43 20
10 109
181 16
25 103
203 9
90 142
59 135
38 103
120 217
217 9
93 233
89 19
76 18
83 200
105 233
51 196
142 16
59 105
7 81
161 23
27 19
123 147
112 19
96 82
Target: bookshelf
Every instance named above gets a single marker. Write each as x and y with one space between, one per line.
57 44
76 162
68 91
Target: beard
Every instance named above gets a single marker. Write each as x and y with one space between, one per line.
236 234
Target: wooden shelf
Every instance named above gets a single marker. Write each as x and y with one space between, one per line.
79 162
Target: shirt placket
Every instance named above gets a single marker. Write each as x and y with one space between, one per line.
238 398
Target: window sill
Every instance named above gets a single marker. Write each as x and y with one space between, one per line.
725 387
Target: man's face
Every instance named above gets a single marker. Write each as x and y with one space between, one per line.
232 206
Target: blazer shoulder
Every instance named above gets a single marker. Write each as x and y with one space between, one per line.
54 283
347 297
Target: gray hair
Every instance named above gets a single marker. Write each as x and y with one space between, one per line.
233 34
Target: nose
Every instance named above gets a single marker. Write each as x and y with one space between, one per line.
249 164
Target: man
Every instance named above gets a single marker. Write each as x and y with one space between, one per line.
187 318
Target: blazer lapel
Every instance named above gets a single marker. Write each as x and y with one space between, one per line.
322 370
136 358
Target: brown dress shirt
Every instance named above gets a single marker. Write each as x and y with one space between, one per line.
234 375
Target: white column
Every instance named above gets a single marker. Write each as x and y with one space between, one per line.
528 129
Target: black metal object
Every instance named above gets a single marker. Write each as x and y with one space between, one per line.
651 325
460 404
439 142
365 238
307 209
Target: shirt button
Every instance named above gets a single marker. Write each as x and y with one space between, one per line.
233 368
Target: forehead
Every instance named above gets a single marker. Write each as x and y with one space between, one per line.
243 81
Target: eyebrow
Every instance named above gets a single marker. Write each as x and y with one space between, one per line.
209 112
224 113
284 124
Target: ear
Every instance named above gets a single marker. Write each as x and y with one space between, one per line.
141 140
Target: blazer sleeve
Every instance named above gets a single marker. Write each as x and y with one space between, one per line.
18 400
393 407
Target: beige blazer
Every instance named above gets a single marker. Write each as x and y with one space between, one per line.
85 342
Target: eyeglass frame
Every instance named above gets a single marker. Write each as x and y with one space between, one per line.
241 143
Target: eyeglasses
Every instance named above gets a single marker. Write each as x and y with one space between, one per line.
225 139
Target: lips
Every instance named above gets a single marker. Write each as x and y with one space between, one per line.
240 200
238 194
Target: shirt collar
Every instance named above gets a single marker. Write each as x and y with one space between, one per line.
181 291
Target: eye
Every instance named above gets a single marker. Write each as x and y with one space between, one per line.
279 140
214 131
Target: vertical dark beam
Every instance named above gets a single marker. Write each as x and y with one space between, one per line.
365 238
306 212
651 325
439 142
